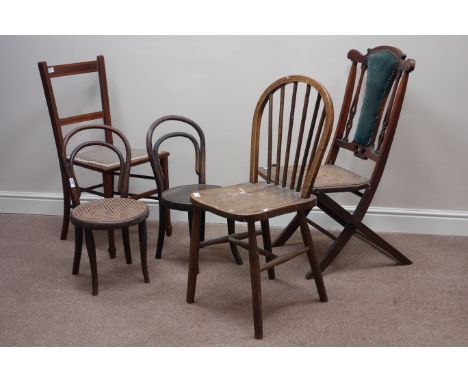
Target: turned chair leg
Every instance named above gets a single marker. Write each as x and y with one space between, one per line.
92 259
126 243
108 185
194 254
267 245
314 263
202 226
189 219
161 230
142 236
255 282
66 211
78 247
235 252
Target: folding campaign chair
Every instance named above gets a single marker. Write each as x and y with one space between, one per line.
387 71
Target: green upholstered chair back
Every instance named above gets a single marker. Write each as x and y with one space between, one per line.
381 69
381 84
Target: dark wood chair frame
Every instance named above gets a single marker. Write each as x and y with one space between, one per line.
47 74
200 161
294 196
75 193
377 151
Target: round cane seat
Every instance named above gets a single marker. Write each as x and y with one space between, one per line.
109 213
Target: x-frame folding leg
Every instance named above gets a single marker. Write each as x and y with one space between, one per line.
352 224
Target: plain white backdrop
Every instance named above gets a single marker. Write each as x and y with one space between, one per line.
212 17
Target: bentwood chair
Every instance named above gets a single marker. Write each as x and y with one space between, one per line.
178 198
386 70
258 202
108 213
95 159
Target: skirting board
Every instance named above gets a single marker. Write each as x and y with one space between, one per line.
381 219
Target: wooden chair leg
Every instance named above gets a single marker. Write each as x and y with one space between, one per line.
165 170
78 248
334 249
194 254
190 219
66 211
255 282
286 234
90 246
142 236
267 245
202 226
126 243
108 185
161 230
235 252
314 264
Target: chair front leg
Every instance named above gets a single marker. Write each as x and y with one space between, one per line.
165 170
78 248
126 243
143 239
255 282
313 261
92 259
194 254
66 209
267 245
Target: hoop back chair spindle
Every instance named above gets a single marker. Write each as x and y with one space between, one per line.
386 70
178 198
258 202
104 214
96 159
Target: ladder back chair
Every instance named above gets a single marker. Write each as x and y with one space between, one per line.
108 213
386 70
258 202
95 159
178 198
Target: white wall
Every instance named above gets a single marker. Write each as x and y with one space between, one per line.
216 81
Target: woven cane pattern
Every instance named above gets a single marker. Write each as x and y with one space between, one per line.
112 210
329 176
106 158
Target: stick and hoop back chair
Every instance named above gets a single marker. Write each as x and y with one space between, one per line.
258 202
108 213
178 198
97 159
386 70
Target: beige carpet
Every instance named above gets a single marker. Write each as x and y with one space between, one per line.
371 301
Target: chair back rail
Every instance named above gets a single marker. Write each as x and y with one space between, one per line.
153 149
48 72
304 160
124 170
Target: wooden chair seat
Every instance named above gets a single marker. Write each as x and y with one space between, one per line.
251 201
178 198
109 213
329 178
103 159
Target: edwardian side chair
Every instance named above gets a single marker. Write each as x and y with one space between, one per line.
95 159
178 198
386 70
108 213
258 202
